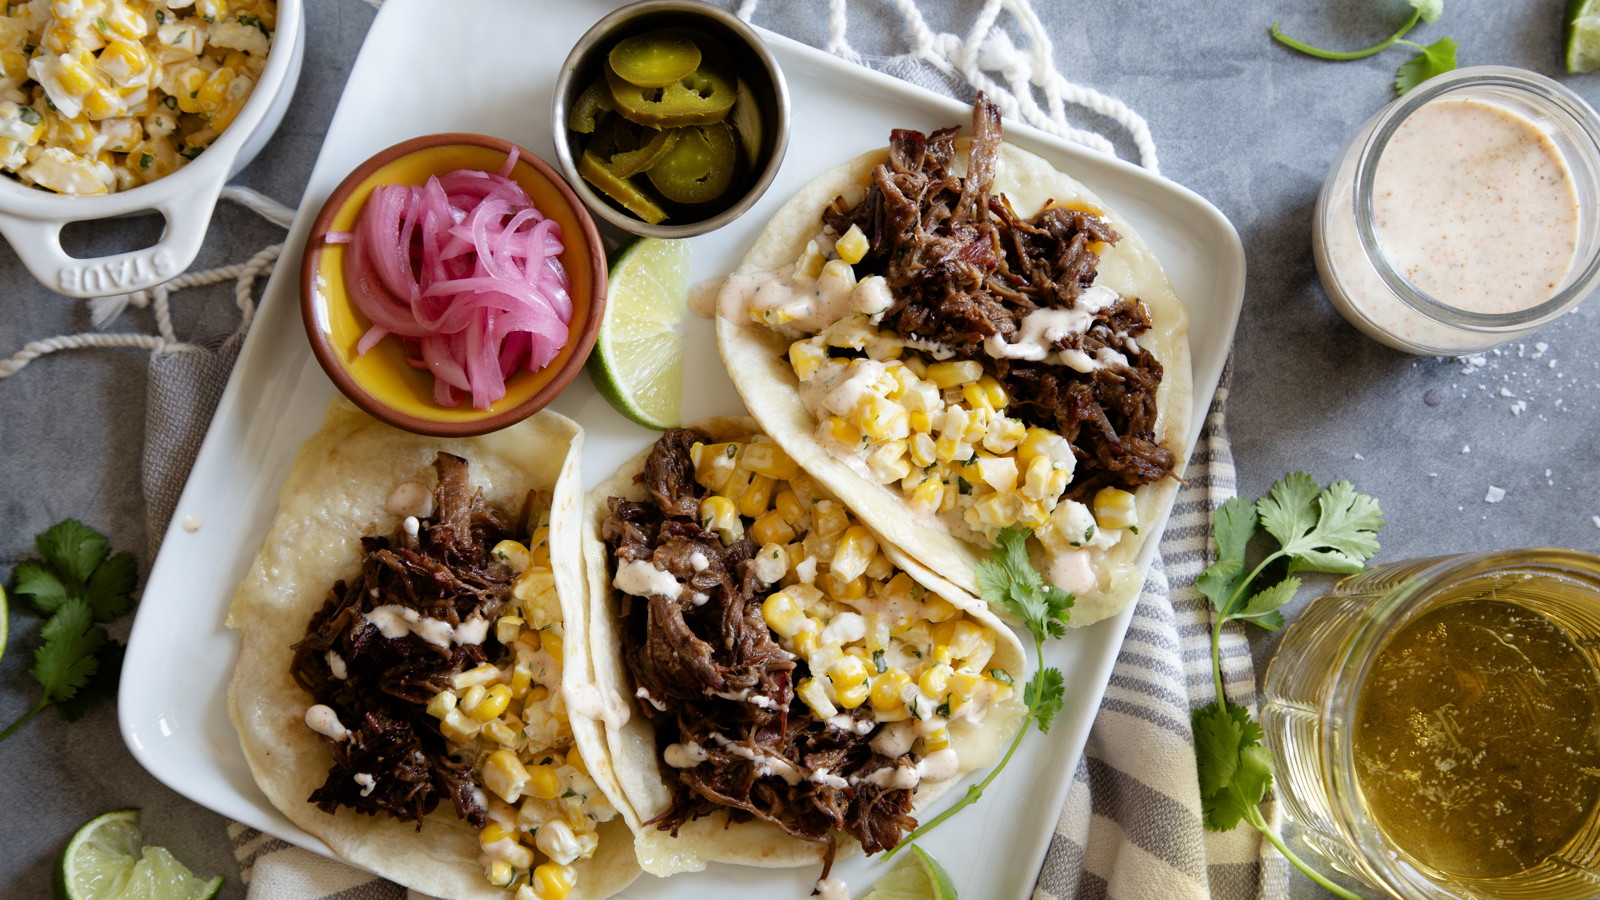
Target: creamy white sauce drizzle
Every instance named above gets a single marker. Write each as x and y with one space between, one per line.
324 721
591 702
395 621
336 665
644 695
367 782
641 578
831 889
686 755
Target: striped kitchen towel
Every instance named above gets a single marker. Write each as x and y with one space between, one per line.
1131 826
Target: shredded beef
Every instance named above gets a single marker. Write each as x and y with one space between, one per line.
963 267
712 639
444 572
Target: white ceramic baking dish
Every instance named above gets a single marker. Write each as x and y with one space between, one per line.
31 219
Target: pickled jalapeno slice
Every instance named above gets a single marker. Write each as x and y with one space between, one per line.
628 196
591 105
655 59
702 97
699 166
628 163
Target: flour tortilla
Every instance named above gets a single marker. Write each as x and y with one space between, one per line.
335 493
756 357
633 744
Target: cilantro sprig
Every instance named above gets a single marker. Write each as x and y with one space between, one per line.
1317 530
1433 59
78 585
1009 580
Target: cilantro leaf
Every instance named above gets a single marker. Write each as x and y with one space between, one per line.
1434 59
73 548
1430 10
109 591
1262 608
1235 770
1045 694
66 660
1008 579
1321 531
37 582
1234 523
101 686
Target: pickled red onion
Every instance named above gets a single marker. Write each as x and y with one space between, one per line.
466 273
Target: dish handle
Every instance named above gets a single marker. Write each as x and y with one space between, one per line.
38 244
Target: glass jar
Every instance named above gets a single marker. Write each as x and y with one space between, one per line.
1354 670
1401 237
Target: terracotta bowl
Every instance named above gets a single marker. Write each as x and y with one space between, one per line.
381 382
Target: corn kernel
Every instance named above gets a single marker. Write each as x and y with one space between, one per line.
714 464
544 782
954 373
852 245
936 740
769 459
829 518
719 514
483 673
441 703
935 680
843 432
500 733
507 627
937 609
457 727
1115 508
788 506
513 554
807 357
880 567
927 496
471 697
494 832
756 496
494 702
999 472
815 694
888 691
854 553
783 614
770 528
551 881
842 590
881 419
551 644
848 671
920 421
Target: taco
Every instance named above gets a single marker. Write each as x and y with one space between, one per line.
800 686
401 691
958 338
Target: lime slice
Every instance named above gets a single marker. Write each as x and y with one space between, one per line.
917 876
638 358
1583 35
107 860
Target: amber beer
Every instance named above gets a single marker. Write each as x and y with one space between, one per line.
1436 725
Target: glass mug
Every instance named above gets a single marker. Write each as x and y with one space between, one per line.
1436 726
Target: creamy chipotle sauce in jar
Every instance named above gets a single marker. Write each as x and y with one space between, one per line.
1455 221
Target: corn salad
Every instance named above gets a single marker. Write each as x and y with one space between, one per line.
936 429
99 96
870 635
511 721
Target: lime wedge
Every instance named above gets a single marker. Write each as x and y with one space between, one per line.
638 358
107 860
917 876
1583 36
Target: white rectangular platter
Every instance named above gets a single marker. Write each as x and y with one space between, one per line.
489 66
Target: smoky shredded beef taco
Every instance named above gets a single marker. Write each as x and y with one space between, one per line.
958 338
799 686
402 691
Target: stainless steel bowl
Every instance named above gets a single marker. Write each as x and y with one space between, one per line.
758 71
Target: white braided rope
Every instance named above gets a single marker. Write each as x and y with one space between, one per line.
1019 74
103 310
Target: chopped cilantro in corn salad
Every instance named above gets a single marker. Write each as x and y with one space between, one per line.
510 719
99 96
